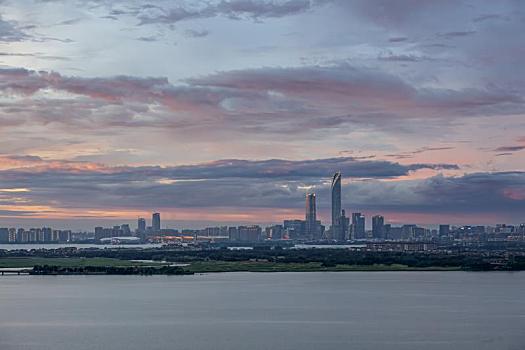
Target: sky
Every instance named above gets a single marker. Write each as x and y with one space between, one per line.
230 111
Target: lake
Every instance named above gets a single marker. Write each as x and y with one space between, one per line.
234 311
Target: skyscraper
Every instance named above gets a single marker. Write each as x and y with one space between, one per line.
296 228
155 222
358 226
141 228
345 224
378 227
311 216
444 230
336 205
4 235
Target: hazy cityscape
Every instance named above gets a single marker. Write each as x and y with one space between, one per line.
262 174
343 228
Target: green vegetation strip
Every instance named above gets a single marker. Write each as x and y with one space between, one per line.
258 266
209 266
69 262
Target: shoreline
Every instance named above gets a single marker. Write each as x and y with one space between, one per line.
178 262
28 274
218 267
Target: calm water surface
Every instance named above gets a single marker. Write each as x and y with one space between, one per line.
234 311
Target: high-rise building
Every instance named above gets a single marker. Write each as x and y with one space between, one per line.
155 222
126 231
378 227
250 233
141 227
444 230
275 232
295 228
408 231
336 205
4 235
12 234
47 234
99 233
311 217
345 224
64 235
358 226
386 230
215 231
233 233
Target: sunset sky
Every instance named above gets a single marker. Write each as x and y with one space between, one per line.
224 111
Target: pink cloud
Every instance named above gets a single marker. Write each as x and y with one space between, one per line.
517 194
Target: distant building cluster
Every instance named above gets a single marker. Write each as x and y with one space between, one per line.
34 235
125 231
342 228
115 231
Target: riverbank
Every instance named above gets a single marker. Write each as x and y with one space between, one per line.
89 266
258 266
29 262
113 261
108 270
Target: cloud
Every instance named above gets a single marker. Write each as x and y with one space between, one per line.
192 33
488 17
35 55
242 184
11 32
478 192
233 168
276 168
70 21
360 90
15 213
457 34
264 102
411 154
397 39
113 90
401 58
509 148
151 38
498 193
420 73
234 9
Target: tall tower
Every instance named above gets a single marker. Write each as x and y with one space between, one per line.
358 226
336 205
141 225
311 216
155 222
378 227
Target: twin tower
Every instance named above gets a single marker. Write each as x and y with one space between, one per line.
339 220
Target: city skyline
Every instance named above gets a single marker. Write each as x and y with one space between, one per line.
381 233
266 174
342 229
215 112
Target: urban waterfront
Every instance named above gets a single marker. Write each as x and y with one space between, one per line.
375 310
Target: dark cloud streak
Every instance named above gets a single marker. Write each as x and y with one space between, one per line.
234 9
269 184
